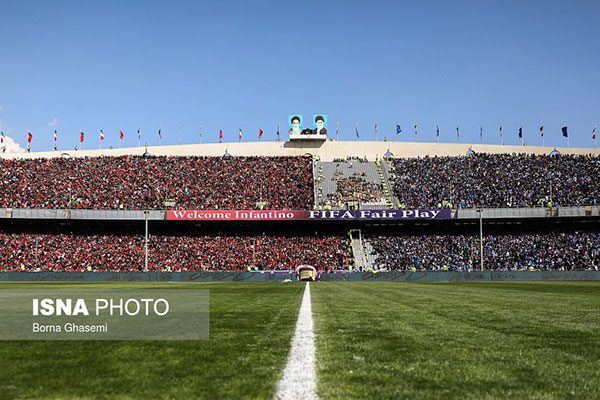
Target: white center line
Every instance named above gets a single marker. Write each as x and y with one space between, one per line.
299 379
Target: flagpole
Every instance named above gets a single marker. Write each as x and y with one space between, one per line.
481 135
200 134
180 135
522 135
501 136
375 132
160 136
595 136
139 137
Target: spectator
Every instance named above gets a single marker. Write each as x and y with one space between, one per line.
497 180
136 183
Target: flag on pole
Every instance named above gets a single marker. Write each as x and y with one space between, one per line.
594 133
542 130
220 134
457 135
337 130
521 132
277 132
357 130
121 134
240 136
1 137
139 134
416 130
375 131
160 133
437 132
398 129
29 137
55 135
260 132
481 134
564 132
101 134
81 135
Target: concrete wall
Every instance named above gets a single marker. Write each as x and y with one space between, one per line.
441 276
327 150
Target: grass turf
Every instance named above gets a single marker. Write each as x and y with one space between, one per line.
458 340
251 328
374 340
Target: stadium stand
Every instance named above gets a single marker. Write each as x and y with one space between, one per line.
90 249
560 248
136 182
351 180
497 180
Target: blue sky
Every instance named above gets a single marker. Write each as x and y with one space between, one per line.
227 65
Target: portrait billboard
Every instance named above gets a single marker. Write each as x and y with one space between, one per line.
319 124
295 124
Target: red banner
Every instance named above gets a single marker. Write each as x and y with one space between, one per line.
289 215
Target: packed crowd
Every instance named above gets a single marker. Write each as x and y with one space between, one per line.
355 188
539 251
213 251
497 180
133 182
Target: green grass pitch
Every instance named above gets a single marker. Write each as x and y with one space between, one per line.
374 340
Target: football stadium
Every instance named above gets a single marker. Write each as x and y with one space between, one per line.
325 200
482 282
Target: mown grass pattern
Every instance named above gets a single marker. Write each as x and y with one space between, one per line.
252 325
458 340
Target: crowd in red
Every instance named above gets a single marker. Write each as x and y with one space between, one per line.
211 251
136 182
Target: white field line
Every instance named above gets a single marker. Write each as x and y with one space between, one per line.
299 379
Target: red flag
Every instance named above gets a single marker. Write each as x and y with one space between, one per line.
29 137
220 134
121 134
159 133
81 136
260 132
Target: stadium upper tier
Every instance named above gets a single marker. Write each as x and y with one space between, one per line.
414 175
497 181
137 182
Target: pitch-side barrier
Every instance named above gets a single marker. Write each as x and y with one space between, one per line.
265 276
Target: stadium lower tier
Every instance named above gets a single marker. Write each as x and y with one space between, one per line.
542 250
95 246
214 251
